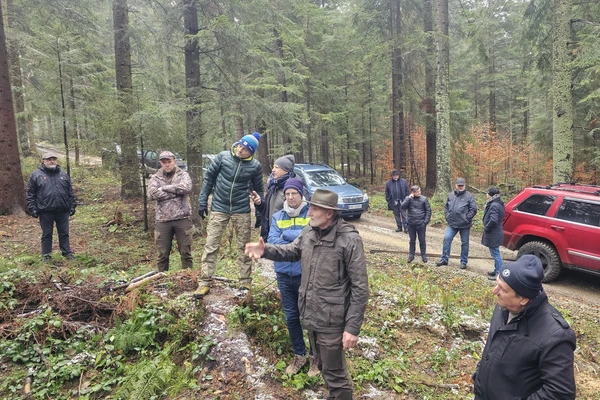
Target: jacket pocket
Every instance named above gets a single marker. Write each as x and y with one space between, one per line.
332 312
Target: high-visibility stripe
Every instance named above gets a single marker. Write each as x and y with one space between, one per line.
288 223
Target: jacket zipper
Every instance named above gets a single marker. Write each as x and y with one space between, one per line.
232 185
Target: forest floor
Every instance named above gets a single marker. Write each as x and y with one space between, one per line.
70 330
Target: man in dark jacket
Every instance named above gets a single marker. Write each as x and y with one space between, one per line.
228 179
334 286
493 234
529 350
283 169
418 213
50 198
460 208
396 190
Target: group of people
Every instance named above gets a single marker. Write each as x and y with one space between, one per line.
412 213
321 269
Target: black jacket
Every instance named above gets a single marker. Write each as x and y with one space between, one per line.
49 190
418 210
529 358
460 208
229 179
396 191
493 234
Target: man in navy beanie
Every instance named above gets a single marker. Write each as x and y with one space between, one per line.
529 350
228 179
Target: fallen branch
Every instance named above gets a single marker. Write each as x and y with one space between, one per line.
42 356
136 279
143 281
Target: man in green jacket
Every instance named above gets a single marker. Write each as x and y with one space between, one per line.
230 179
334 288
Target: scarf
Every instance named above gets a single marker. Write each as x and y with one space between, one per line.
293 212
494 197
274 184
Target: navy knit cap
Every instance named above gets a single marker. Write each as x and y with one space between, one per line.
286 162
524 276
493 190
294 183
250 142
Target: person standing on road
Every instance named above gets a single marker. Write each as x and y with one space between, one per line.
396 190
418 214
170 186
529 349
283 169
285 228
228 179
460 208
493 234
50 198
334 287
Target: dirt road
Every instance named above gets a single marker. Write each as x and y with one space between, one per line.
379 235
84 158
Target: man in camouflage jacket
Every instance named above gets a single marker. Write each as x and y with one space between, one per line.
171 188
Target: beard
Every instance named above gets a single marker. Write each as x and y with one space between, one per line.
51 166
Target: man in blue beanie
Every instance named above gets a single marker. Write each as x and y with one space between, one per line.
529 350
228 180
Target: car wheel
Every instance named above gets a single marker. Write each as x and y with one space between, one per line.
547 254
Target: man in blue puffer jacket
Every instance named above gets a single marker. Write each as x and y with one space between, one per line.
286 225
228 180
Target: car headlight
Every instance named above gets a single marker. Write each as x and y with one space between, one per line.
365 197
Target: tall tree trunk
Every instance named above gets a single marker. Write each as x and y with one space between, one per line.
562 116
444 179
75 125
193 115
430 131
130 185
525 120
492 104
309 138
398 138
324 145
31 127
14 54
12 188
283 97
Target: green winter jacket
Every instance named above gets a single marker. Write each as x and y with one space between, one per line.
231 180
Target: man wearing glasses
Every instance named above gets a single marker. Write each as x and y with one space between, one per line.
460 208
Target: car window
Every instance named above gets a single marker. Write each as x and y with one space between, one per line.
536 204
579 211
324 178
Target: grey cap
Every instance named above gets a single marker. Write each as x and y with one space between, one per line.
461 181
49 154
166 154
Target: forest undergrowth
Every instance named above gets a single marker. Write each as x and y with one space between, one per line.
71 330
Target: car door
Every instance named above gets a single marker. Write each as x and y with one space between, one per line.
579 221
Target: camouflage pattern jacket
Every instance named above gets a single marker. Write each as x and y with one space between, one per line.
172 195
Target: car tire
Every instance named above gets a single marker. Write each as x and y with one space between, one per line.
547 254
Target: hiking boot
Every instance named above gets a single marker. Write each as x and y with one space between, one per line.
201 292
69 256
492 277
399 230
425 260
410 259
492 273
440 263
46 259
297 363
463 266
314 367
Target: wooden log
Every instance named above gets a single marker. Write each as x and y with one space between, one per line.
143 281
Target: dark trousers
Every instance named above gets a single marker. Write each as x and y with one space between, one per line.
47 221
288 287
400 216
182 229
413 232
328 349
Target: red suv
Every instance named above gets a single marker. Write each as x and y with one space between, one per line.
559 223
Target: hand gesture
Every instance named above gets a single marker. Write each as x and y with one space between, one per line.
256 249
255 198
203 211
349 340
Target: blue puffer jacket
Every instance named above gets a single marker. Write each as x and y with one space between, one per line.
229 179
285 230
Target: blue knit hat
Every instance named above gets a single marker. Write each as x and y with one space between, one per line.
250 142
294 183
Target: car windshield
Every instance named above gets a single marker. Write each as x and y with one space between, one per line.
324 178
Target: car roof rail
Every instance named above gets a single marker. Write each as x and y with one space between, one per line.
558 186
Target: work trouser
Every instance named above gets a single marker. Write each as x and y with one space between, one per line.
217 223
183 230
47 221
328 349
